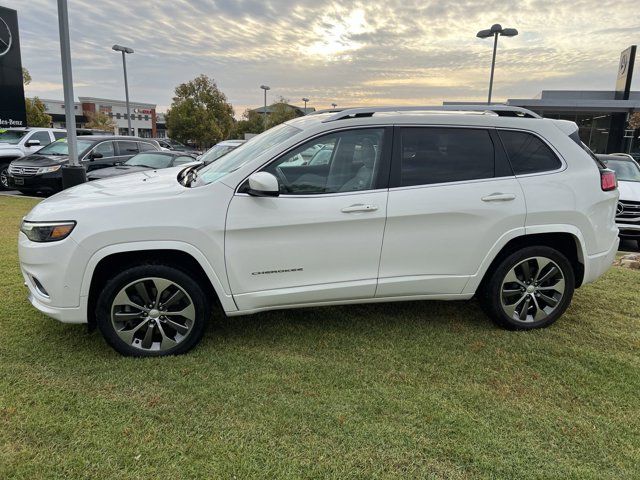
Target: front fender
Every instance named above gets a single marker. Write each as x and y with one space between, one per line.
226 299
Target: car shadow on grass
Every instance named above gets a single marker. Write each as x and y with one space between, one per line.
370 322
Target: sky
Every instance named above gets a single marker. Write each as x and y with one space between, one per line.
353 53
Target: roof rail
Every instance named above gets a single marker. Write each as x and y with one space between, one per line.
500 110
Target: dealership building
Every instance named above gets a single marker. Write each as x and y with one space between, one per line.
143 115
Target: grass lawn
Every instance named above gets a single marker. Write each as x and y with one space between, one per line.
413 390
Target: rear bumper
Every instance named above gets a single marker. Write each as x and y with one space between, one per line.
596 265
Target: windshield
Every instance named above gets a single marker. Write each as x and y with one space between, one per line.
216 152
60 147
11 136
626 170
245 153
151 160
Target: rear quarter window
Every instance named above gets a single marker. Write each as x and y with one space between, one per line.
527 153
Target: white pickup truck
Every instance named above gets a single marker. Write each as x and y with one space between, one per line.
18 142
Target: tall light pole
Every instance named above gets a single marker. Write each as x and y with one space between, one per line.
125 50
305 100
265 88
495 31
72 173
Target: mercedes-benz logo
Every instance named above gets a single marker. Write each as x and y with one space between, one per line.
619 209
6 39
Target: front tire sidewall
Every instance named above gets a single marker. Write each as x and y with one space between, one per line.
184 280
491 297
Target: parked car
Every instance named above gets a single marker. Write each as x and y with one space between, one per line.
500 204
40 172
174 145
144 161
18 142
220 149
628 211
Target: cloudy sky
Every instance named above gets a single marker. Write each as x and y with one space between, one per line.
349 52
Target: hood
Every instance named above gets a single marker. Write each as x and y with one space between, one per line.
37 160
115 171
109 196
629 191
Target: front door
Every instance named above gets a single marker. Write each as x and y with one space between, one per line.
320 240
452 198
106 154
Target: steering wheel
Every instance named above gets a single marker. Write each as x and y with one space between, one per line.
282 179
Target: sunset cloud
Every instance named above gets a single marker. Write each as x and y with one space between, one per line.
351 53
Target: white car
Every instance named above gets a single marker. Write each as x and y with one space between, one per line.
18 142
412 205
628 175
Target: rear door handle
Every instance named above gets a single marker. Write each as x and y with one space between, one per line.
499 197
359 207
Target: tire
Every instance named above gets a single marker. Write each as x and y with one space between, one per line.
4 176
132 328
529 289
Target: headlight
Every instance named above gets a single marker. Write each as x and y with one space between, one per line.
46 231
42 170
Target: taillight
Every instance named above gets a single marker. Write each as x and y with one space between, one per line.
608 180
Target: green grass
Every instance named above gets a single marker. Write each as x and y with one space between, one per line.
413 390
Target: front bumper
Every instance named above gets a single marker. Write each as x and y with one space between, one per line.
51 273
629 230
48 182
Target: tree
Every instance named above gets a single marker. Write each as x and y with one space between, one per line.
281 112
37 115
199 113
634 121
252 122
100 121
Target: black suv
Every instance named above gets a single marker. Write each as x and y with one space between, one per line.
40 171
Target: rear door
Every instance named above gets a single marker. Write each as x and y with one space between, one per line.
452 197
320 240
125 149
107 151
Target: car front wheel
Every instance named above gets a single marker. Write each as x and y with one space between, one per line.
4 177
529 289
152 310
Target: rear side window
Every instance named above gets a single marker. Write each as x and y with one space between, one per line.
147 147
441 155
527 153
128 148
59 135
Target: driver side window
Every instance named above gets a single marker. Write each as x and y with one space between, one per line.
105 148
344 161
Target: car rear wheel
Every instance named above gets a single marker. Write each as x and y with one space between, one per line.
152 310
529 289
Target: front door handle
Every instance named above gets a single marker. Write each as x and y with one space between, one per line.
359 207
499 197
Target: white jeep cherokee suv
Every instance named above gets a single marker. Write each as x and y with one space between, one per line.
410 204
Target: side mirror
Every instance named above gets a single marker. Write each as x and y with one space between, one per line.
263 184
32 143
95 155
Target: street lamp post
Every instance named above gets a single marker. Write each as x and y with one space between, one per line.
495 31
125 50
334 105
264 112
72 173
305 100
